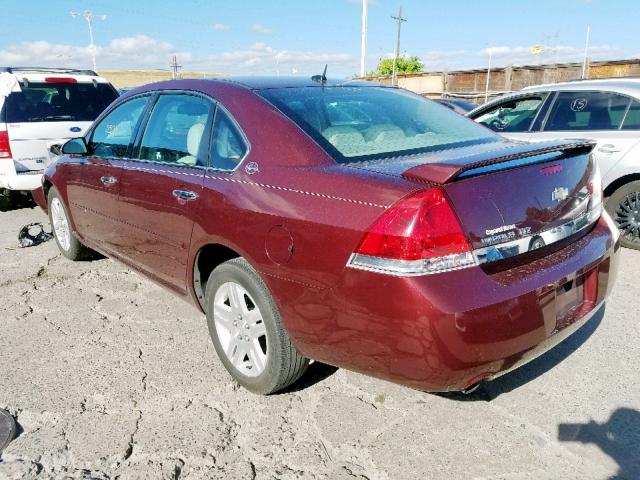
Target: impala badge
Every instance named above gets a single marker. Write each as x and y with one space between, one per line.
251 168
559 194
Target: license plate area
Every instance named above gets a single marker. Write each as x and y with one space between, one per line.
575 298
569 296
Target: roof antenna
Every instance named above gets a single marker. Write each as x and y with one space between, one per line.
321 78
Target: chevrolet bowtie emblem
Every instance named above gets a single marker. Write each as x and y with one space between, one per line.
559 194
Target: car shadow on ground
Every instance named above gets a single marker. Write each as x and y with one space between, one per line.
18 202
316 373
619 438
490 390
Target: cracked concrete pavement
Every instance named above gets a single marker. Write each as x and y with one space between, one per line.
110 376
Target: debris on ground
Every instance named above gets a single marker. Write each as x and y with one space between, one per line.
26 237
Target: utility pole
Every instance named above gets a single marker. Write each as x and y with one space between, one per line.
363 44
394 73
175 68
486 88
89 17
585 72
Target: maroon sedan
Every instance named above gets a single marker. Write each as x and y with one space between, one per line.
351 223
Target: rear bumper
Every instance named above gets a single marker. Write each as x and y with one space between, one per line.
447 331
21 182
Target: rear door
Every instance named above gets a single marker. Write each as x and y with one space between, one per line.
94 181
161 187
50 112
513 117
591 115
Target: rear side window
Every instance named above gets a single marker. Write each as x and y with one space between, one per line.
367 123
113 135
586 111
632 120
175 130
58 102
228 147
515 115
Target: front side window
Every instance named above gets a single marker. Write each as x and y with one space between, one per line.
515 115
58 102
367 123
175 130
228 147
586 111
113 135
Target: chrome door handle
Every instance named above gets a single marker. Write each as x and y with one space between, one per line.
108 180
608 148
185 194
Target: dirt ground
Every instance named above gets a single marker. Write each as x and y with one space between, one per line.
110 376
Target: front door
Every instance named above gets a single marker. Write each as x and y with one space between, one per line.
94 180
160 189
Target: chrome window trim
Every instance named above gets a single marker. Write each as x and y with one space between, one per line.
242 134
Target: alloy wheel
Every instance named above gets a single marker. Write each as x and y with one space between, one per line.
240 328
60 224
627 217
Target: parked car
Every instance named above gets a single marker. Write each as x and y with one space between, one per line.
351 223
41 107
457 105
607 111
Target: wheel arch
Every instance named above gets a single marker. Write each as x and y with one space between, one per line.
620 182
208 257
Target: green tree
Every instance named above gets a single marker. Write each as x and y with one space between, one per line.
403 65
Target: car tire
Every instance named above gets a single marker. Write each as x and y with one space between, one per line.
6 200
67 242
622 205
247 331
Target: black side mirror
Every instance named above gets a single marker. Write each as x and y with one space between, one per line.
75 146
56 149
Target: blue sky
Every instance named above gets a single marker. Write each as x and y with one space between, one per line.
269 37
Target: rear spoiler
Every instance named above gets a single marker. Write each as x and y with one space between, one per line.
450 170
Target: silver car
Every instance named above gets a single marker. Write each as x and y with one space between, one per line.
606 111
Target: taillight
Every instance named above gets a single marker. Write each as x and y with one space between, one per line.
596 194
5 148
60 80
418 235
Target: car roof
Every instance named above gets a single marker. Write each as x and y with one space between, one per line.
625 85
38 74
628 85
267 82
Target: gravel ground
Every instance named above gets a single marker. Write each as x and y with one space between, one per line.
110 376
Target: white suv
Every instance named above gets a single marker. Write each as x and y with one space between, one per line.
41 107
606 111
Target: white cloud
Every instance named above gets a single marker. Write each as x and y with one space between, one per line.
139 51
262 58
143 52
220 27
261 29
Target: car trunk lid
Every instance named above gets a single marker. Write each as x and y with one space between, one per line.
512 198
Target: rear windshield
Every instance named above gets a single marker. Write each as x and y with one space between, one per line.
58 102
365 123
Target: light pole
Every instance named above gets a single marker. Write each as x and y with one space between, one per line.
363 43
89 16
486 88
585 73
